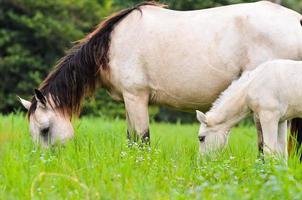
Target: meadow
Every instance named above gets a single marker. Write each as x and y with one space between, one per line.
99 164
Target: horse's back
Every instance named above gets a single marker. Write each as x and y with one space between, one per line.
229 39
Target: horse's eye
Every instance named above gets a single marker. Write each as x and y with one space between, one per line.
201 138
45 131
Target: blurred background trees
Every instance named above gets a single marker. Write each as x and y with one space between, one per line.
34 34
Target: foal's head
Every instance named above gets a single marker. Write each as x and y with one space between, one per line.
211 137
47 124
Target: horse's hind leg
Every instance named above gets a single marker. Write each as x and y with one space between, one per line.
282 138
137 116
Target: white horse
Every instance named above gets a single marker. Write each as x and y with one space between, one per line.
148 54
273 92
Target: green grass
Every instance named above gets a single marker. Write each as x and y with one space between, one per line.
97 164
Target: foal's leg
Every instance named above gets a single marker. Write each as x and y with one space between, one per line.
282 138
269 123
137 115
260 135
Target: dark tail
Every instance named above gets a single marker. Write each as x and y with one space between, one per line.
295 139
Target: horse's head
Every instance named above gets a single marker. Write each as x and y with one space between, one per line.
211 137
47 124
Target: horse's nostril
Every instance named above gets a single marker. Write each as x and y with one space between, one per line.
201 138
44 131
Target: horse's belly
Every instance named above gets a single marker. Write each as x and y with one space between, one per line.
189 95
185 103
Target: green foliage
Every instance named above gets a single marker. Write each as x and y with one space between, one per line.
98 164
293 4
34 35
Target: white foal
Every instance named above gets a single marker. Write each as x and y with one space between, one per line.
273 91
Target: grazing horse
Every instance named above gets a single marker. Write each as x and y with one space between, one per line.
273 92
149 54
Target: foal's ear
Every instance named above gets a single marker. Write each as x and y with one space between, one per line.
40 97
24 102
201 117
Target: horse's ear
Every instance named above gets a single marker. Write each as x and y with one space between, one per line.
24 102
201 117
40 97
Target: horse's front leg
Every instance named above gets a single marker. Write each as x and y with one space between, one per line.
269 123
137 116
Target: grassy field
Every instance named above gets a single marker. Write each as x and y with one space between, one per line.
97 164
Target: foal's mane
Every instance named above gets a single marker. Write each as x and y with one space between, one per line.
77 73
229 92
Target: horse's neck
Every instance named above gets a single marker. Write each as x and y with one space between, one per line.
230 110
